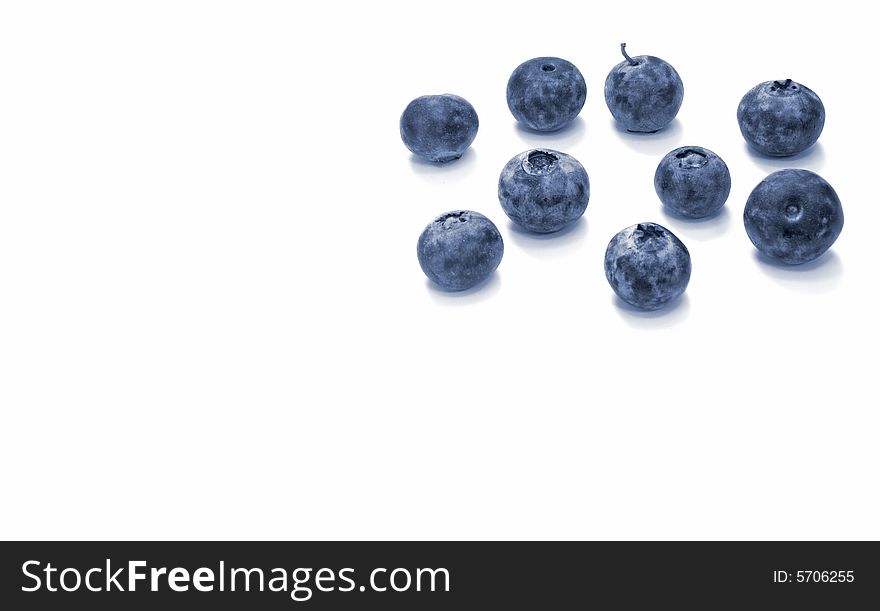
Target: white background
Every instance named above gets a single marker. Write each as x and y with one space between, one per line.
213 323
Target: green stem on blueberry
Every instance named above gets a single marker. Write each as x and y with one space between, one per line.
631 61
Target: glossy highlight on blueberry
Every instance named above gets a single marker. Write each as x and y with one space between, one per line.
781 118
692 182
793 216
643 92
439 128
543 190
460 249
546 93
647 266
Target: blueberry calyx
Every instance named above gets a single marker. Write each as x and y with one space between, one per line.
648 230
548 67
783 86
631 61
691 159
451 219
539 163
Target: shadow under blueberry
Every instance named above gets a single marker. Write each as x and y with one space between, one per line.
553 243
816 276
811 159
482 291
653 143
560 140
672 313
706 228
455 169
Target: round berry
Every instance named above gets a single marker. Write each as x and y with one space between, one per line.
546 93
793 216
459 249
643 92
543 190
439 127
647 266
781 118
692 182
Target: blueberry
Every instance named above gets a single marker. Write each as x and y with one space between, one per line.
439 127
460 249
793 215
546 93
543 190
644 92
781 118
692 182
647 266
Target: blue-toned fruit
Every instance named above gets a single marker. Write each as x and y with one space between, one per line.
793 216
439 127
546 93
643 92
459 249
692 182
543 190
781 118
647 266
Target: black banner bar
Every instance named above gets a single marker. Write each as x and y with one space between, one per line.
439 575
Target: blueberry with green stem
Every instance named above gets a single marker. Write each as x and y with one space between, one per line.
643 93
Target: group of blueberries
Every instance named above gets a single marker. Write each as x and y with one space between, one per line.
792 215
